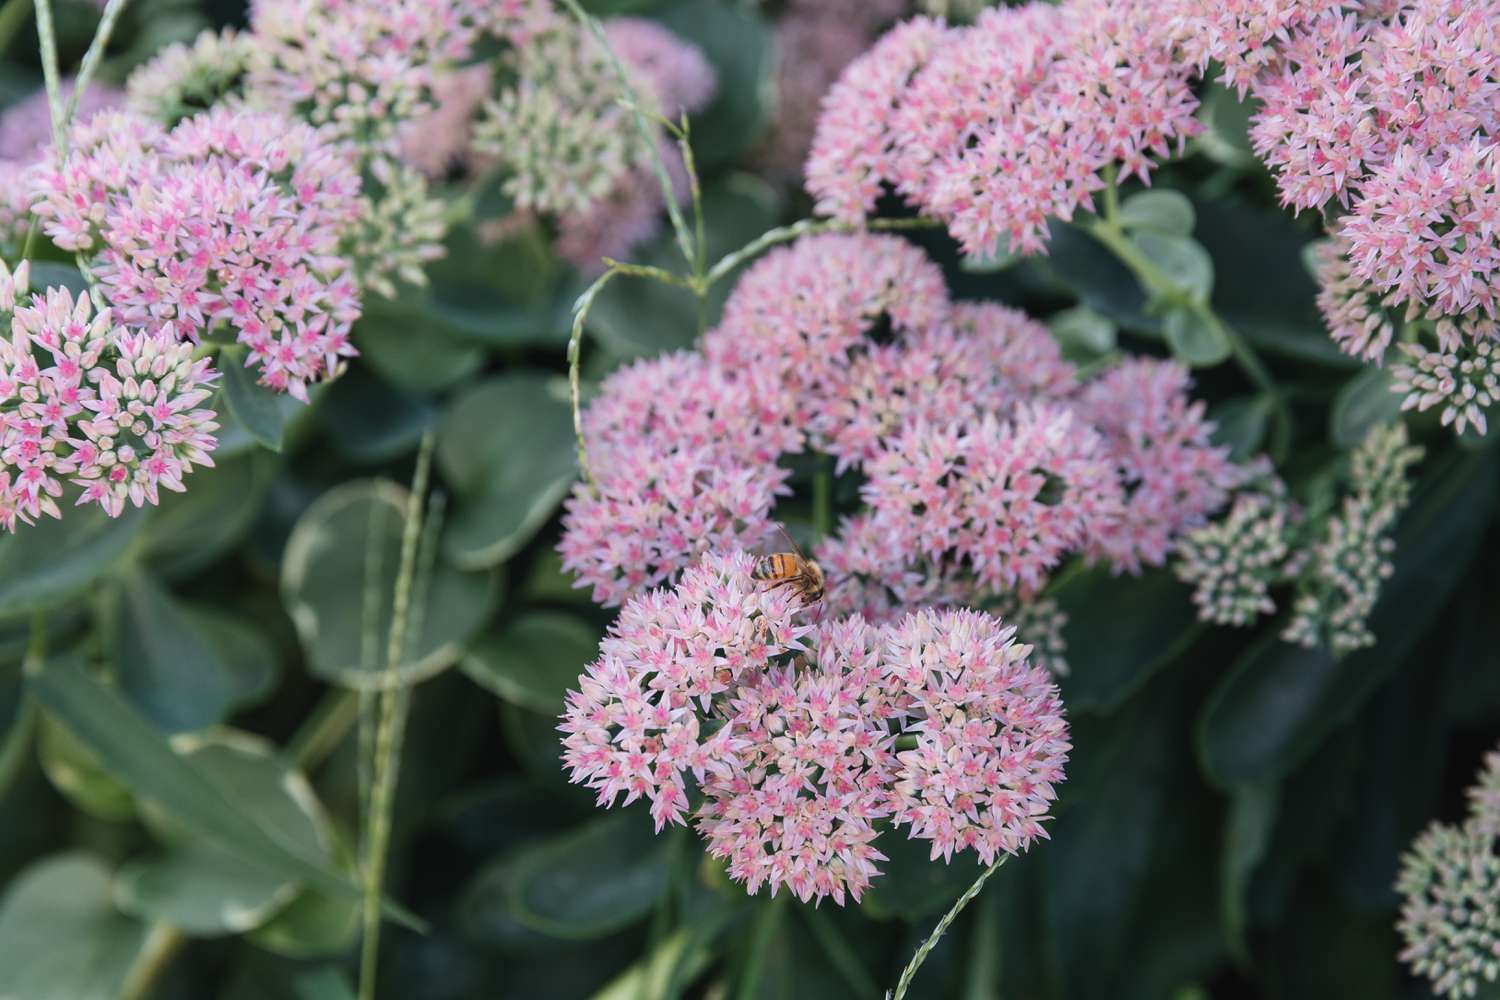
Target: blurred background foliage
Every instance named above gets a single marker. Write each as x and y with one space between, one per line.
1235 805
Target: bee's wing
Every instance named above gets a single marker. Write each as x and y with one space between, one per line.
791 541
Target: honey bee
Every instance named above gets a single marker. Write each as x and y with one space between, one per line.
791 569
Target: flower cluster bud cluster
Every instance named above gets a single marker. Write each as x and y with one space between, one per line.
1383 115
1336 560
92 407
801 743
983 461
1450 884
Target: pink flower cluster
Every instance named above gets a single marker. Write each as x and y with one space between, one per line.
232 220
985 462
85 401
997 127
804 739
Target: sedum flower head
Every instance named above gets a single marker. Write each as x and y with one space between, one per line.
181 80
1159 438
633 728
234 219
685 457
1039 623
357 68
1424 233
113 411
1463 381
990 735
1341 584
1358 320
811 774
1007 499
875 573
1233 562
998 127
442 138
804 312
1484 795
673 75
1450 918
1245 37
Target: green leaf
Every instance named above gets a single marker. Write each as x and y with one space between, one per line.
243 649
316 924
1121 632
1247 834
191 529
205 894
592 882
996 259
1194 338
1159 209
1226 136
165 662
1279 702
641 317
369 421
60 939
1184 262
79 774
1242 423
402 343
737 41
1365 401
507 294
141 757
506 445
344 554
1083 333
201 888
259 410
55 274
1083 266
535 660
44 564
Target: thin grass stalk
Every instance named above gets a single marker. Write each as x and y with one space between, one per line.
389 732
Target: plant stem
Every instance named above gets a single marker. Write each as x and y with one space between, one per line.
904 983
163 942
392 719
674 212
822 498
808 227
575 351
91 59
46 35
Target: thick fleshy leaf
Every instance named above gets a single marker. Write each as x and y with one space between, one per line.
77 773
506 445
1084 267
1241 423
1247 835
1160 209
1363 402
260 411
369 420
1194 338
44 564
204 894
338 585
402 343
534 660
600 878
60 939
1120 632
141 757
1083 333
1279 702
193 528
165 662
1182 259
203 889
